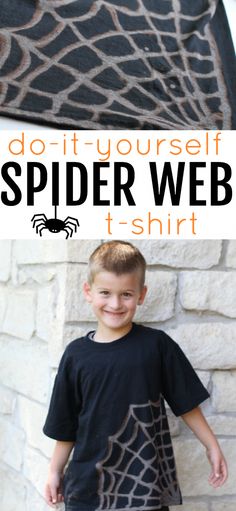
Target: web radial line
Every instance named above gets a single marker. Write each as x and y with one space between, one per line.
158 435
168 59
177 11
3 92
200 96
164 473
226 118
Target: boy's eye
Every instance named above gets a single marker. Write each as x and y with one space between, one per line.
127 295
104 293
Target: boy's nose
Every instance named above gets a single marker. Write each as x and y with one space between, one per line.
115 302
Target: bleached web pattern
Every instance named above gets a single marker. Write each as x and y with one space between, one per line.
139 471
114 64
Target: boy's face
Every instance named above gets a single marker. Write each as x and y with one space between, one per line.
114 299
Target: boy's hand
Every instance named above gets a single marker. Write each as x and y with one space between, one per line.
196 421
219 471
53 489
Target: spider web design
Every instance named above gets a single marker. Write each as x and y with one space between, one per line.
139 469
113 64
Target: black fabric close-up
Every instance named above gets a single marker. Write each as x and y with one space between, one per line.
118 64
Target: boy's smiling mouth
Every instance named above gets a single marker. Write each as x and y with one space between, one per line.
115 313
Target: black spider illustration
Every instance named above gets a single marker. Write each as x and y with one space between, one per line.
55 224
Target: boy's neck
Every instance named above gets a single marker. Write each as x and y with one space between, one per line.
104 334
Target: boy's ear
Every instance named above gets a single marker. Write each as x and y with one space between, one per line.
142 295
87 291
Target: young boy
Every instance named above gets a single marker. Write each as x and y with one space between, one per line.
108 401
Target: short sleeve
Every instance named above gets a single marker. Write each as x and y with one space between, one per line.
62 418
181 387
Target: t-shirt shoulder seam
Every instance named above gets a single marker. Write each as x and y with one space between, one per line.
74 343
151 329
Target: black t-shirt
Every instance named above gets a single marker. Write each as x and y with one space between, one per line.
109 399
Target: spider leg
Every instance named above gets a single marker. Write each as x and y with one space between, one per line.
43 227
73 225
72 221
40 215
70 218
38 226
37 221
69 230
67 233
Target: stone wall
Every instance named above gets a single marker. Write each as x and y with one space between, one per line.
192 295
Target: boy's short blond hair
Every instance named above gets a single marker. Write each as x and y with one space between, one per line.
117 257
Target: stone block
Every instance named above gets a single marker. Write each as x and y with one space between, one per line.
76 307
224 505
188 506
7 400
223 425
12 491
79 251
31 274
224 391
35 502
3 305
35 469
20 311
45 312
159 303
53 251
52 378
201 254
194 469
55 357
5 260
24 368
174 424
54 327
31 417
40 251
231 254
75 331
205 377
213 291
12 441
207 345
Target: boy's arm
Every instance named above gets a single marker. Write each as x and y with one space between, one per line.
59 459
196 421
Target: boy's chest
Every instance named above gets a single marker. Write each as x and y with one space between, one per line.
120 373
